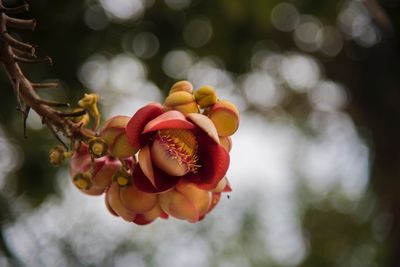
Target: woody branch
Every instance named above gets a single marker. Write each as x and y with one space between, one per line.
12 53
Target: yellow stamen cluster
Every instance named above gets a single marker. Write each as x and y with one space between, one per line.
122 177
82 181
180 145
57 155
97 147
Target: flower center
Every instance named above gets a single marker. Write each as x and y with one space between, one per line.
181 146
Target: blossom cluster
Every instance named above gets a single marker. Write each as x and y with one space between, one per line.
165 160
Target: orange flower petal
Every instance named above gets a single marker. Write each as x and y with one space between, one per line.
169 120
179 206
114 200
137 201
204 123
138 121
146 164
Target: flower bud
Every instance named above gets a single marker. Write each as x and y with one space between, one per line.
206 96
98 172
97 147
113 133
181 101
225 117
184 86
57 155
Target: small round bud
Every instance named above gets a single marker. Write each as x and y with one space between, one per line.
225 117
122 177
97 147
82 181
181 86
182 101
206 96
57 155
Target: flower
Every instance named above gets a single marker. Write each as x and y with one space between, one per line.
173 147
166 160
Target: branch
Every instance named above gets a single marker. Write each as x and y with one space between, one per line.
12 52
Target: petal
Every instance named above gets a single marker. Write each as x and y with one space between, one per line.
104 171
137 201
179 206
114 200
205 124
162 181
121 148
109 208
169 120
215 198
116 122
146 165
163 160
138 121
80 161
221 186
214 162
228 187
201 199
226 142
141 220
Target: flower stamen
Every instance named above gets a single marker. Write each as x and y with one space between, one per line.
180 145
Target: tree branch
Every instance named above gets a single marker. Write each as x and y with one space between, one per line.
24 89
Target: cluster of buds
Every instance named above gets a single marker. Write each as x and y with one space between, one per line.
166 160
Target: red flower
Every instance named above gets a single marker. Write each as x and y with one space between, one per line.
172 147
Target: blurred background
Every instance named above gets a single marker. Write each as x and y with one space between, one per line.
315 165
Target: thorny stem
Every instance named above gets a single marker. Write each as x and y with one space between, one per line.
10 56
